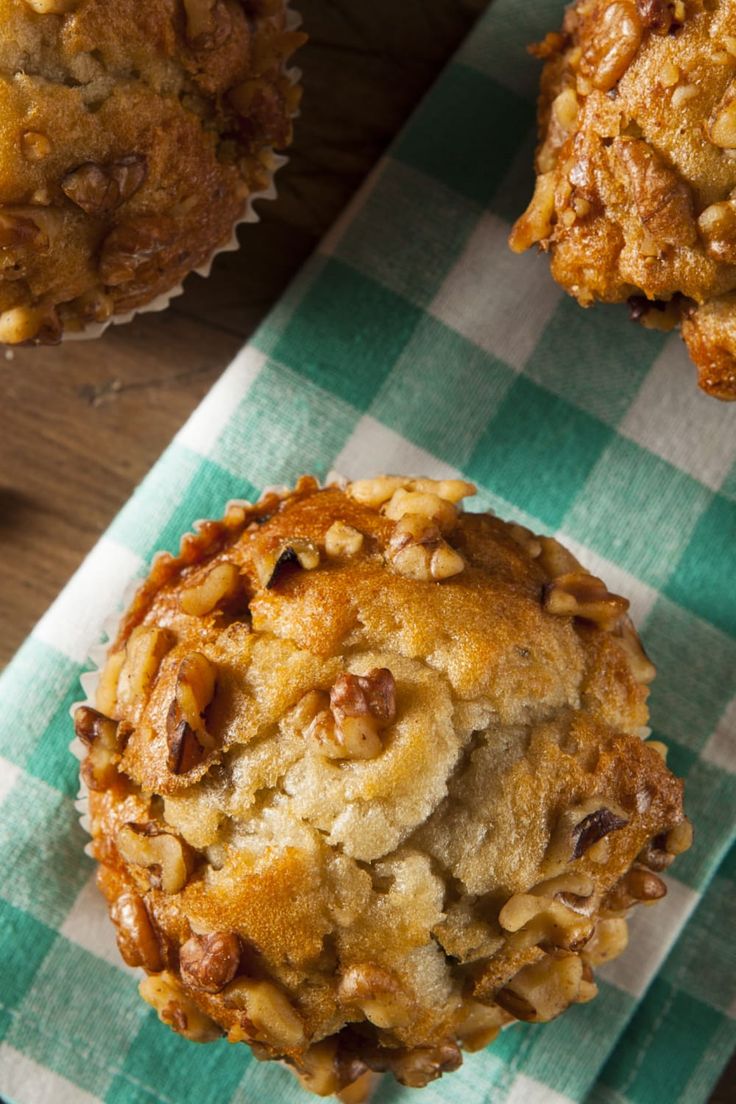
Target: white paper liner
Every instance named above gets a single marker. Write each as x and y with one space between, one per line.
161 302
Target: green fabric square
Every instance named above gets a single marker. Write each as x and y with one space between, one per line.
696 665
601 362
78 1018
50 759
418 397
465 132
25 944
161 1065
704 578
347 335
710 802
495 47
433 233
537 451
578 1032
664 1042
41 851
285 427
139 524
704 962
34 682
637 510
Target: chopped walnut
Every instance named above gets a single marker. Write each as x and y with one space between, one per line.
99 189
361 706
417 1067
378 993
186 732
209 23
296 551
543 990
636 885
35 146
136 936
145 648
103 741
166 857
374 492
423 504
164 993
722 126
609 940
543 921
662 199
615 45
221 584
579 830
268 1011
210 962
582 595
137 250
342 540
418 550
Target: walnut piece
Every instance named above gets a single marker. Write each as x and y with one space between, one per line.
209 23
136 936
101 736
221 584
145 648
417 549
543 990
302 553
166 857
360 707
164 993
210 962
614 46
378 993
579 594
99 189
187 737
342 540
268 1012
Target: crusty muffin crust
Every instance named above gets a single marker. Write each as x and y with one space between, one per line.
636 169
132 136
368 779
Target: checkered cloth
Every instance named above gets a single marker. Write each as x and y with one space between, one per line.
414 341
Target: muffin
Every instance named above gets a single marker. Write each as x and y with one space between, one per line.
635 196
133 137
369 778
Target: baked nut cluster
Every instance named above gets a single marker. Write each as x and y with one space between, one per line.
635 196
369 778
133 135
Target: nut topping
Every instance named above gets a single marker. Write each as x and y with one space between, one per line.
210 962
52 7
186 733
417 550
663 201
164 993
268 1011
303 553
34 145
378 993
145 648
543 990
136 937
208 23
656 15
579 594
374 492
420 1065
99 189
594 827
722 126
137 250
361 706
422 504
342 540
636 885
608 941
221 584
100 734
614 46
166 857
544 921
626 635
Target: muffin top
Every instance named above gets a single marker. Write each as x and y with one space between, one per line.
349 747
637 168
132 137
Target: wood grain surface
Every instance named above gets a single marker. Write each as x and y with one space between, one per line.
82 423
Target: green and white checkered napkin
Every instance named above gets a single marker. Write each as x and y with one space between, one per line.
414 341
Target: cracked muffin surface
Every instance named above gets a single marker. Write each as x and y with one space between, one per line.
635 196
369 779
132 137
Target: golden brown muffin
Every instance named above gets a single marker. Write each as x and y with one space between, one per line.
133 135
636 187
368 780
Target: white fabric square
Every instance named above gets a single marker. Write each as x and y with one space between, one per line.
720 750
652 931
8 776
25 1082
75 620
526 1090
374 449
673 418
618 581
498 300
202 430
88 925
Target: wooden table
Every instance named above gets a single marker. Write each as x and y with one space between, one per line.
83 422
